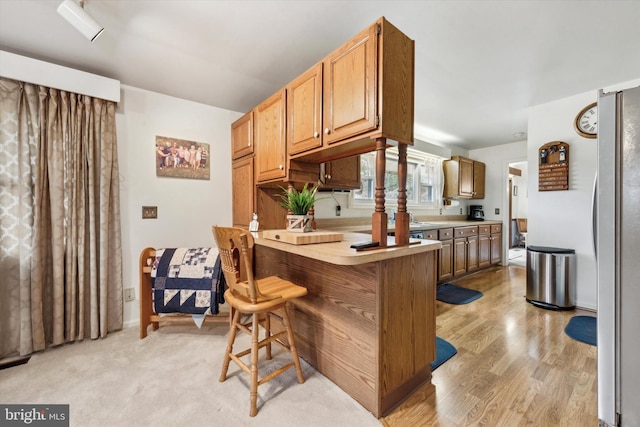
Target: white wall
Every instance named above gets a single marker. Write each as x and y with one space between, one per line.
186 208
563 218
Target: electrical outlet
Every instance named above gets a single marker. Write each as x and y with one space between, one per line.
440 211
129 294
149 212
460 211
497 211
338 209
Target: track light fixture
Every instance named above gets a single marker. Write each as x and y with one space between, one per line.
74 12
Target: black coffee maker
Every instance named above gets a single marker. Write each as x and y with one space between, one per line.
476 213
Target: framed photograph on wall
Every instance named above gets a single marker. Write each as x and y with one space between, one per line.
179 158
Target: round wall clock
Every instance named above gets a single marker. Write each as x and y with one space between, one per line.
586 122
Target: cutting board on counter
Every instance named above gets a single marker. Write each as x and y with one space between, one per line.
295 238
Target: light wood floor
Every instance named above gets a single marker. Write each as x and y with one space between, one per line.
515 366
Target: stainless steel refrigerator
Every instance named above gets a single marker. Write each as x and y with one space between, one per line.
617 241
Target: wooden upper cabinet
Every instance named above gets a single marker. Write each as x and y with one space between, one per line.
242 136
463 178
342 174
478 180
465 184
350 87
304 111
270 138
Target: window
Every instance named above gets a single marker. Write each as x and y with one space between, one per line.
424 178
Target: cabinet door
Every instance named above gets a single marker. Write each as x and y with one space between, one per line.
484 250
342 173
465 180
304 111
472 253
459 256
242 195
270 136
445 260
350 88
478 180
242 136
496 248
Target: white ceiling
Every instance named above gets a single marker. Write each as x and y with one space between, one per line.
479 64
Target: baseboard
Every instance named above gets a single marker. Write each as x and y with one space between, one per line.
10 362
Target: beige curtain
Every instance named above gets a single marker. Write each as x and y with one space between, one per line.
60 260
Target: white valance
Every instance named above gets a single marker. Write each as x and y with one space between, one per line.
25 69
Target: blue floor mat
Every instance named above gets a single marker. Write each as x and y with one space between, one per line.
453 294
444 352
583 329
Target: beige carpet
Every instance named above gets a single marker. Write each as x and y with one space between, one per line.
171 379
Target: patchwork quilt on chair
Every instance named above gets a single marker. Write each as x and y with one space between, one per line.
187 280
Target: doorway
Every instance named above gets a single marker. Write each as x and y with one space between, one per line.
518 206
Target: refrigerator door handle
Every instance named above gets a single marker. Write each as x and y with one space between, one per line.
594 217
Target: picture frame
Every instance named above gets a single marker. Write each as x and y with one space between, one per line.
181 158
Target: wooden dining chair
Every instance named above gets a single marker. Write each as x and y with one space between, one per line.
522 231
262 299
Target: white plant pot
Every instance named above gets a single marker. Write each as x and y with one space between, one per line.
299 223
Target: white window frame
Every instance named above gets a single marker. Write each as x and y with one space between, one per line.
413 156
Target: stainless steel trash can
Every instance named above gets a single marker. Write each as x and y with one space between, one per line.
551 277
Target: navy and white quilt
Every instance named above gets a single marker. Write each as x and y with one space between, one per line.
187 280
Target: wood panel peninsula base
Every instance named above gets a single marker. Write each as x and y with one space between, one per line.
368 320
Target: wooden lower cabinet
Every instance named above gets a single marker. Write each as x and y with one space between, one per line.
459 256
465 250
445 261
243 195
484 246
472 253
484 251
472 248
496 243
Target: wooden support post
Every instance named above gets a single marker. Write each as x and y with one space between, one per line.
379 217
402 216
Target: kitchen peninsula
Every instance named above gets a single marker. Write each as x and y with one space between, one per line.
368 320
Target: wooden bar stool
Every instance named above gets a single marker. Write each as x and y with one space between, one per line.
259 298
522 231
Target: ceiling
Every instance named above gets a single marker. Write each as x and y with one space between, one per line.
479 64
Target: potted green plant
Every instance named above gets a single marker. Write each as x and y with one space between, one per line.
299 203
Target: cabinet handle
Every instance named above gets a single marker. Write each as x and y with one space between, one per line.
316 135
328 176
327 131
280 167
249 144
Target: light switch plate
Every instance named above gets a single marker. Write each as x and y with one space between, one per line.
149 212
497 211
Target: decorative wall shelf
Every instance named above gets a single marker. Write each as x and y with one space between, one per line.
553 166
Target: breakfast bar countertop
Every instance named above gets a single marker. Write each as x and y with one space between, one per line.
340 252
